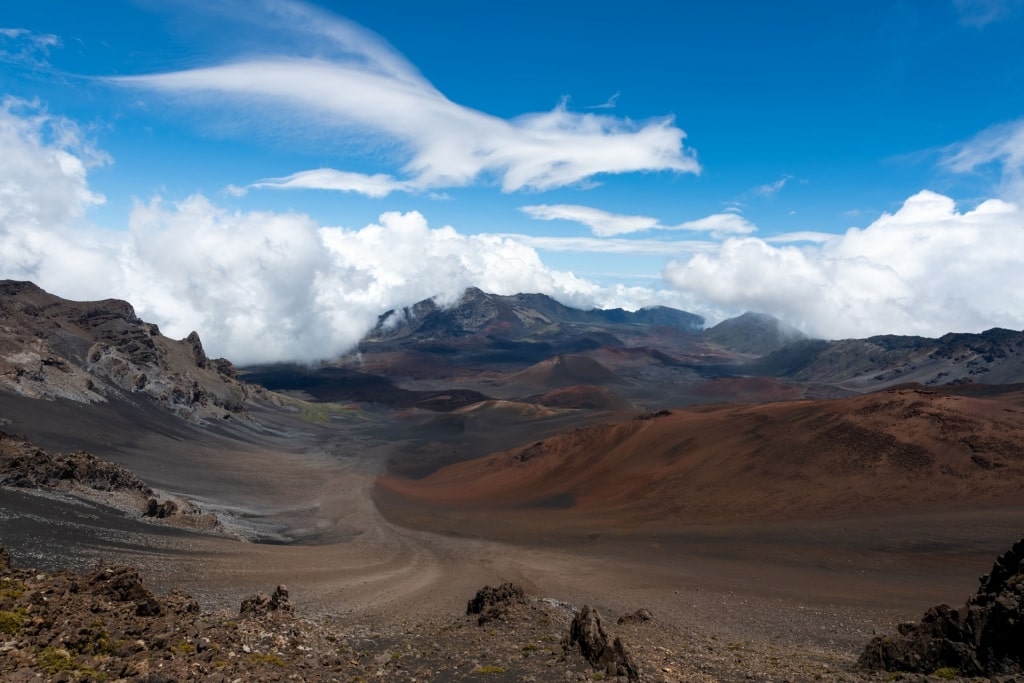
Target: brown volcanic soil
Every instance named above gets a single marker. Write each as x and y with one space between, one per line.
895 450
791 599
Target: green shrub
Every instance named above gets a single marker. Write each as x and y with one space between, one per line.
11 622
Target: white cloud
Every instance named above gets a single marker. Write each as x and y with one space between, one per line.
601 223
376 185
720 225
607 104
258 286
926 269
30 48
1000 146
612 245
363 87
771 189
604 224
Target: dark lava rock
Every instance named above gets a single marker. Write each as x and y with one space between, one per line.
494 603
261 603
123 584
159 510
638 617
587 633
25 466
983 637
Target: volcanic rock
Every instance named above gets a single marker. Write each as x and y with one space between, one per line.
638 617
123 584
259 604
983 637
26 466
494 603
587 633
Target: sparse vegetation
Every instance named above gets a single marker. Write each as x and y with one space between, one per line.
11 622
946 673
55 660
489 669
266 658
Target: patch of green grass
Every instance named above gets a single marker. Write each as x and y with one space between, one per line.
317 413
11 623
11 590
184 648
946 673
54 660
489 669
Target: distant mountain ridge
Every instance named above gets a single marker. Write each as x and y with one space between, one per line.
995 356
478 313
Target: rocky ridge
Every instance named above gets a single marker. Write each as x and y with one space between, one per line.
81 474
91 352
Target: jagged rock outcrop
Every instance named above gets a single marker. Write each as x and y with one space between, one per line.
587 633
260 604
91 352
494 603
123 584
24 465
983 637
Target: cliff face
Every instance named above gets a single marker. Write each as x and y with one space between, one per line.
93 351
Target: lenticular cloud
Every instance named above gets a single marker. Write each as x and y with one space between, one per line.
358 84
926 269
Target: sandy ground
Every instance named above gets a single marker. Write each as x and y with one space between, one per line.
819 585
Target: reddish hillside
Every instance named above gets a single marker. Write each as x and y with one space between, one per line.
899 449
564 371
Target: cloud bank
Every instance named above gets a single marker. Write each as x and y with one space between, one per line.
267 286
359 85
926 269
258 286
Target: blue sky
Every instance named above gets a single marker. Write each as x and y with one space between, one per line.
854 168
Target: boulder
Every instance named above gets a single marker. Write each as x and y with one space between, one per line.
123 584
587 633
494 603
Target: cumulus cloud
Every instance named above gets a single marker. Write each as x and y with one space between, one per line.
926 269
258 286
604 224
361 86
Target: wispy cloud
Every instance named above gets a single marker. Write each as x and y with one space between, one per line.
1000 147
607 104
981 13
603 223
614 245
771 189
362 86
21 46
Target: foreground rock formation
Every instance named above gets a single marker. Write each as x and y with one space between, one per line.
984 637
